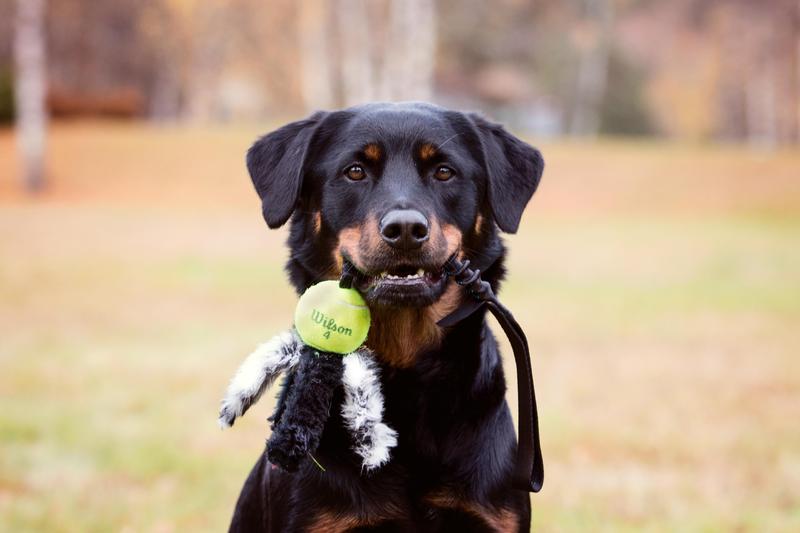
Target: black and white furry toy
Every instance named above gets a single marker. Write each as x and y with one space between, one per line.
304 405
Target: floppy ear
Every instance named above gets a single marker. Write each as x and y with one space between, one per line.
276 163
513 170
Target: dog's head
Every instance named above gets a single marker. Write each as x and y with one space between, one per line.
395 189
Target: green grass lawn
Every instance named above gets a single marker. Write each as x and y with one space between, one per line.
659 286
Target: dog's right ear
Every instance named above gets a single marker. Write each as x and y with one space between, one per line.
277 162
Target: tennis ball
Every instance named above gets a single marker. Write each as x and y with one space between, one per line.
332 319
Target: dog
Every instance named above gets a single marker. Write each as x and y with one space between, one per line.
396 189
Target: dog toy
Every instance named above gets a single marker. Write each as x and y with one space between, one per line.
322 352
331 318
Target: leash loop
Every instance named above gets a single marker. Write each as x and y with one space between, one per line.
529 469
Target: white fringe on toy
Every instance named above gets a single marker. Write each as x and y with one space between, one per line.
258 372
362 409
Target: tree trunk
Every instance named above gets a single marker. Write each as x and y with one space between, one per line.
422 51
411 52
316 73
760 99
208 53
593 71
30 89
358 81
797 74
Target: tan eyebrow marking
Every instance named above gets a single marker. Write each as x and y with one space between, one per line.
372 152
426 151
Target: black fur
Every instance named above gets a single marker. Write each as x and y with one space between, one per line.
286 387
455 432
276 164
304 409
514 169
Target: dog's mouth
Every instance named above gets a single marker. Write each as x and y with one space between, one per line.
402 286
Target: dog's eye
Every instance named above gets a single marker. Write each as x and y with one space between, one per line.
443 173
355 172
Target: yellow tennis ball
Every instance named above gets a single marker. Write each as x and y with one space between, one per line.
332 319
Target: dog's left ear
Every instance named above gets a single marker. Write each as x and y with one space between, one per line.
513 169
277 162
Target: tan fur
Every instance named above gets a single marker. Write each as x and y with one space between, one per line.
327 522
372 152
349 243
445 305
372 235
332 521
499 520
399 335
444 237
478 224
357 239
426 151
336 270
452 236
317 221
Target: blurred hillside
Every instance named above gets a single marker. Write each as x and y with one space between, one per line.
691 69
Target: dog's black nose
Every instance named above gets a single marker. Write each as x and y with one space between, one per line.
404 229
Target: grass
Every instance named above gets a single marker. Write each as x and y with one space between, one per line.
659 285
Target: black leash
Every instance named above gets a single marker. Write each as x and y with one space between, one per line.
529 470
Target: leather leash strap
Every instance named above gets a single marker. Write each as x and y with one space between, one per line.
529 469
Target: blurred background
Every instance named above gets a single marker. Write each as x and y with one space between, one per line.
657 270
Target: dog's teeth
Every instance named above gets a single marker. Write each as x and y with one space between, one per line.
416 275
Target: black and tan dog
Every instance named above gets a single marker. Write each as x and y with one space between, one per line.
396 189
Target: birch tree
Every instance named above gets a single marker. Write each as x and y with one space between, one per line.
592 68
407 42
315 54
357 73
411 52
30 89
